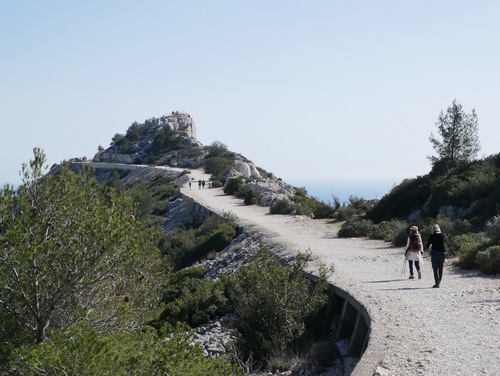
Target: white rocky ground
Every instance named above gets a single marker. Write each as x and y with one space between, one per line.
415 330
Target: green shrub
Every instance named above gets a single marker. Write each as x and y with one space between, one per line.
452 226
323 210
12 335
286 206
186 246
218 166
281 206
356 228
191 299
82 351
217 238
233 186
488 261
212 241
177 281
134 132
467 255
272 302
306 205
218 149
167 140
402 236
389 230
242 191
493 229
251 197
126 147
346 213
178 241
402 200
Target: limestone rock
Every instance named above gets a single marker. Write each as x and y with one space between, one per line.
246 169
138 151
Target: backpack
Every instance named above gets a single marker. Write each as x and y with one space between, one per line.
414 243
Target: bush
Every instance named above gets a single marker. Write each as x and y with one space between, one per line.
467 255
186 246
286 206
389 230
218 149
310 206
323 210
167 140
218 166
233 186
402 236
493 229
216 238
281 206
356 228
191 299
272 302
402 200
82 351
346 213
251 197
488 261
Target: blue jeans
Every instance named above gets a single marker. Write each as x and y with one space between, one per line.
417 266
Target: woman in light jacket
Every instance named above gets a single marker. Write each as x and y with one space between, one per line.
414 250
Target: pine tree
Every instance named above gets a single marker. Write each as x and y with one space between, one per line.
459 141
68 247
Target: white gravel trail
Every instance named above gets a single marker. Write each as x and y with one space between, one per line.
415 329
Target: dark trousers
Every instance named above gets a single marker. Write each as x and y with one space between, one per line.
417 266
437 259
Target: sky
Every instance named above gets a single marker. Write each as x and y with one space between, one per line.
308 90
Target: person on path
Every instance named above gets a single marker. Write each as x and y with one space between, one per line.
414 249
189 185
437 246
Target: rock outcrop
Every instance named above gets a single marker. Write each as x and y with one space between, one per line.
178 121
136 147
269 187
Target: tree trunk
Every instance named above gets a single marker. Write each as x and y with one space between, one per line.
41 327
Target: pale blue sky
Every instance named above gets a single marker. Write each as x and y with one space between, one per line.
307 90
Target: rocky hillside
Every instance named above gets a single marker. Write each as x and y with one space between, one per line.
162 141
170 141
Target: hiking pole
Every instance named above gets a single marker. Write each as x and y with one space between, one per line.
403 268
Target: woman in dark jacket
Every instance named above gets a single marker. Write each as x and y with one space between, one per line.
437 245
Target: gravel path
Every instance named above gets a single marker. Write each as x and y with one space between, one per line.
416 330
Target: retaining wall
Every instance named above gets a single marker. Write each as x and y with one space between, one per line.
346 316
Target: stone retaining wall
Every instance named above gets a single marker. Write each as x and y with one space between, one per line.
347 318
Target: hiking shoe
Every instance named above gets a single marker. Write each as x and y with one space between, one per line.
419 275
436 286
411 276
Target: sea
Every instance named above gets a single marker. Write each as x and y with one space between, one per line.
343 189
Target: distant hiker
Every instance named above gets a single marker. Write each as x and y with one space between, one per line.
189 185
203 183
414 249
199 184
437 246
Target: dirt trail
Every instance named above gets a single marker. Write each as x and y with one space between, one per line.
416 330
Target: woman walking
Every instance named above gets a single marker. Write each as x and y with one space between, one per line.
437 245
414 249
